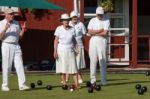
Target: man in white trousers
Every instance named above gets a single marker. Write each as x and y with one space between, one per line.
98 29
10 33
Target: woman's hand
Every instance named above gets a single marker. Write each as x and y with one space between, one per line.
7 25
55 55
76 49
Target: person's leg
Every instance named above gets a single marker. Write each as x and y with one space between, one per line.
103 72
7 58
75 76
80 64
102 62
63 77
67 77
80 80
18 62
93 61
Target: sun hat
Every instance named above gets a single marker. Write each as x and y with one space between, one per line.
73 14
64 16
9 11
99 10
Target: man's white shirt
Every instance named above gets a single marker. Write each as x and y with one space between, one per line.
12 33
96 24
80 32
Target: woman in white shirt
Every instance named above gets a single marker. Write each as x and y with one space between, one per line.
80 33
64 53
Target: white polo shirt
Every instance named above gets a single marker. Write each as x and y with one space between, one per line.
12 35
80 31
96 24
66 37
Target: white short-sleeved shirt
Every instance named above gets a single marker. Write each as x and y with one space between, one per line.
97 24
12 32
66 37
80 31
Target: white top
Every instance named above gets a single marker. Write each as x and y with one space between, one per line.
96 24
80 31
12 32
66 37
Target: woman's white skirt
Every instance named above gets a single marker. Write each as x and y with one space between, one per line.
66 62
80 59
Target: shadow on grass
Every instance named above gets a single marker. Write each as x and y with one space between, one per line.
39 88
117 83
124 83
115 79
98 81
109 80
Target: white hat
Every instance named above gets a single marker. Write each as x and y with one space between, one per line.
73 14
99 10
65 16
8 11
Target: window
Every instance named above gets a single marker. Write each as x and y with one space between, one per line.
90 5
118 40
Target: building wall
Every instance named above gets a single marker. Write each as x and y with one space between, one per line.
37 44
48 21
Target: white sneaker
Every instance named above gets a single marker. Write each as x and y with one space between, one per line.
5 89
24 87
80 81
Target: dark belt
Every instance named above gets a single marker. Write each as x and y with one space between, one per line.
11 43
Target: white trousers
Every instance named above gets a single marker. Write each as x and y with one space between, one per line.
12 53
80 59
97 52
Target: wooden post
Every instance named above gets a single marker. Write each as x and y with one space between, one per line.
82 10
134 34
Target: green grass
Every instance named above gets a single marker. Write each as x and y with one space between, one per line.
121 86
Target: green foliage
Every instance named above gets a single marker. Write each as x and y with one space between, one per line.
38 13
107 5
33 10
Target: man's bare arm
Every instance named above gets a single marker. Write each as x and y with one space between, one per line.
94 32
3 33
104 33
21 34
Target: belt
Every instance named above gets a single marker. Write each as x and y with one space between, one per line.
11 43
